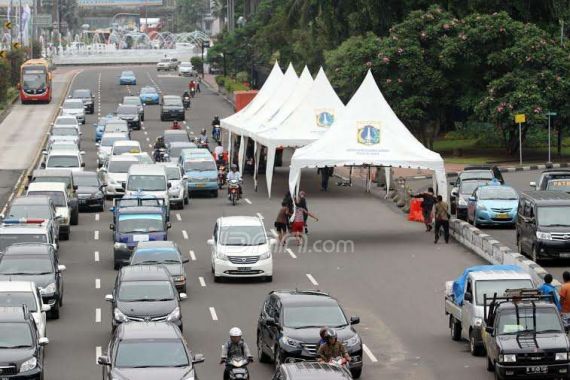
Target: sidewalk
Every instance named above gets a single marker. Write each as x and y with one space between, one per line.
210 80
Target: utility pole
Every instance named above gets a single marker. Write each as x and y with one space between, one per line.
231 15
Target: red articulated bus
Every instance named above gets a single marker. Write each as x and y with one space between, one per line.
35 81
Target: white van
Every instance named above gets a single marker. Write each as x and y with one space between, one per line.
148 180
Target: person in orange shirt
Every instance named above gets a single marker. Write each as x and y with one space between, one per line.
565 293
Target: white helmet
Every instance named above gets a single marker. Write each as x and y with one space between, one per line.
235 331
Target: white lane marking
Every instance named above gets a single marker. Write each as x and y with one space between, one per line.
192 255
185 234
178 217
143 127
149 145
145 132
247 201
292 254
148 139
96 235
98 352
202 281
97 217
273 232
97 283
369 353
98 315
96 255
312 279
213 314
259 215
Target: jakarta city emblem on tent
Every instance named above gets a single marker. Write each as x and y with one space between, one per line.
368 133
325 118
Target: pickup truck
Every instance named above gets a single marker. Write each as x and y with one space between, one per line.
137 201
524 337
464 299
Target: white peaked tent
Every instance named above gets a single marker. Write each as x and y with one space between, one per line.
368 132
315 110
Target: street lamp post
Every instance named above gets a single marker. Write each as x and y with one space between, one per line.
549 114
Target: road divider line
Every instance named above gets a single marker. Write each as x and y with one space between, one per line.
97 217
185 234
202 281
149 145
96 235
292 254
148 139
96 255
247 201
178 217
98 352
98 315
192 255
369 353
259 215
97 283
213 314
274 232
312 279
145 132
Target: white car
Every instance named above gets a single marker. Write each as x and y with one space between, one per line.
18 293
125 147
178 191
64 159
114 174
240 248
68 133
148 180
61 145
116 125
105 146
58 193
74 107
66 121
185 69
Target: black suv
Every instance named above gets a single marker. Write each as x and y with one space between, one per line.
130 114
36 262
145 293
289 324
21 348
311 370
172 108
149 350
543 226
88 99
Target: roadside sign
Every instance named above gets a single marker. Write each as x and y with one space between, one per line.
205 44
551 114
43 20
8 24
3 54
16 45
520 118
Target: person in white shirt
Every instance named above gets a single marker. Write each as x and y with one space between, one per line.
219 151
234 174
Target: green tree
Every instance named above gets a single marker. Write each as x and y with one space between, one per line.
189 14
68 13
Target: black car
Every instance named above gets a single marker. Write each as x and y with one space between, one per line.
88 99
149 350
145 293
34 207
289 324
130 114
135 100
21 348
312 371
460 196
89 191
543 226
38 263
172 108
166 253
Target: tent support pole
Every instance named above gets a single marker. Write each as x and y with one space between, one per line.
257 153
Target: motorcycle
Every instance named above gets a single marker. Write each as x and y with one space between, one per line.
201 143
216 133
221 176
160 155
186 102
233 191
192 92
238 368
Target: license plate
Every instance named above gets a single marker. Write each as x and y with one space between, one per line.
502 216
565 255
244 269
200 185
140 237
537 369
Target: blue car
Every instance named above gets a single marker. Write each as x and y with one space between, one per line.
100 127
202 175
128 77
133 225
138 201
493 204
149 95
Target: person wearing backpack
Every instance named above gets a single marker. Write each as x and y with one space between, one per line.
235 346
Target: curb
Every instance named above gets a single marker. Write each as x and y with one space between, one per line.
8 109
217 92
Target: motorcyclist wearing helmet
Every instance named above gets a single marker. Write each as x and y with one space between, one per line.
234 174
216 121
332 348
186 94
203 138
235 346
158 144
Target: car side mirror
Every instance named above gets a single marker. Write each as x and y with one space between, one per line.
184 177
169 185
43 341
54 246
61 268
211 242
454 193
43 165
183 296
44 152
112 227
109 297
103 360
354 320
185 260
168 225
46 308
82 153
198 358
452 183
567 328
124 185
468 297
97 144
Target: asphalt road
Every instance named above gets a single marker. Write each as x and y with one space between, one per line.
393 279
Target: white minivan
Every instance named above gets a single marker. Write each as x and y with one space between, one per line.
150 179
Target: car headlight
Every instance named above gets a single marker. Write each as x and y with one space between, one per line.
50 289
120 246
29 364
561 356
119 316
510 358
543 235
352 341
221 256
174 315
290 342
265 256
462 202
179 278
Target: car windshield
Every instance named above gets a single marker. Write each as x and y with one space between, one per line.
133 291
471 174
143 158
146 183
132 101
73 105
151 353
148 90
128 74
498 192
62 162
17 299
41 211
156 255
173 173
63 146
554 216
64 132
174 101
15 335
492 287
468 187
116 127
186 64
127 109
199 166
142 223
25 265
58 197
119 166
108 140
122 149
7 240
86 180
313 316
547 320
558 185
81 94
66 121
242 235
66 180
176 137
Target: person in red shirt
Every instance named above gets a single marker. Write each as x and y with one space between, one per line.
565 293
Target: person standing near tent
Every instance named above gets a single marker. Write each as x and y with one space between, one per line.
281 222
303 203
298 225
427 206
441 219
326 173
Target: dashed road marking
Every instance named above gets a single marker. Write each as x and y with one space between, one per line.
259 215
178 217
185 234
213 314
202 281
97 217
96 255
98 315
149 145
96 235
247 201
192 255
148 139
98 352
292 254
369 353
145 132
312 279
97 283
